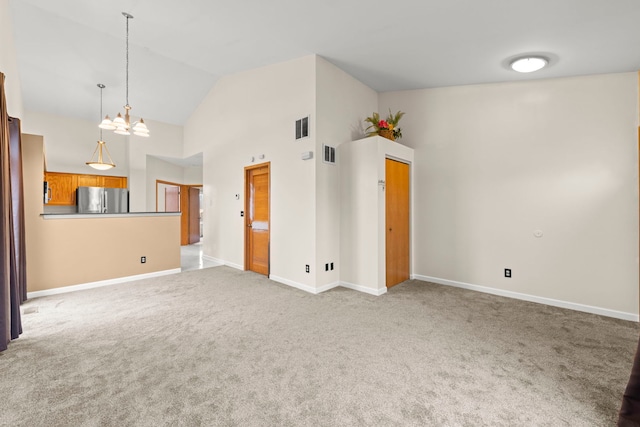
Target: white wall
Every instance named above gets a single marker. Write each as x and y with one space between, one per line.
160 170
192 175
342 104
69 143
8 63
165 140
496 162
363 211
245 115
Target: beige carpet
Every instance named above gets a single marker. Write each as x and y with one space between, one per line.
220 347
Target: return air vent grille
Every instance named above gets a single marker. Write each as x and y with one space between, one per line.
329 155
302 128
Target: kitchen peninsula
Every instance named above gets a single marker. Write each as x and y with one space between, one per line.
68 251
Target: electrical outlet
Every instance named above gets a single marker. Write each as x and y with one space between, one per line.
143 259
507 272
306 268
331 266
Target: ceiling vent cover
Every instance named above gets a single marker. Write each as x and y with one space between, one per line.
302 128
329 155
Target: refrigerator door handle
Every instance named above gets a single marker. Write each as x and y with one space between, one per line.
104 202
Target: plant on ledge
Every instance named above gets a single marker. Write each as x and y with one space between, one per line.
387 128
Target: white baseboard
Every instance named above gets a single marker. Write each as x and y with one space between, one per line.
293 284
216 261
91 285
220 262
303 287
236 266
366 290
532 298
327 287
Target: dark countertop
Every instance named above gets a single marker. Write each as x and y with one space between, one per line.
106 215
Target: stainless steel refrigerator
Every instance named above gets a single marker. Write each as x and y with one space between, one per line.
102 200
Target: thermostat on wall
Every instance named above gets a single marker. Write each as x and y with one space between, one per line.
307 155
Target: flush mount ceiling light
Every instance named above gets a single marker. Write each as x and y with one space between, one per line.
122 125
529 64
99 163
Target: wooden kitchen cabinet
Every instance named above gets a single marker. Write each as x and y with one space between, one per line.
89 181
112 181
102 181
63 185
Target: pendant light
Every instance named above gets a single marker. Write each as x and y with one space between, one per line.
122 124
99 163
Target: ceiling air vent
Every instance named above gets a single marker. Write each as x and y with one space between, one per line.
302 128
329 154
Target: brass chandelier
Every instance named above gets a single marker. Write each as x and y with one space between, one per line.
122 124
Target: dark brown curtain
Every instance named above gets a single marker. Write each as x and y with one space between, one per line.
17 204
12 250
629 415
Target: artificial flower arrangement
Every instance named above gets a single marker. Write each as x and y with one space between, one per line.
388 128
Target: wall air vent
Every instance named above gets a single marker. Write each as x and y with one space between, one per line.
302 128
329 155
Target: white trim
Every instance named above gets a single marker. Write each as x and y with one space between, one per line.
216 261
99 284
532 298
220 262
293 284
232 265
366 290
303 287
327 287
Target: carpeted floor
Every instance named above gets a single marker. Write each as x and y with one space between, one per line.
221 347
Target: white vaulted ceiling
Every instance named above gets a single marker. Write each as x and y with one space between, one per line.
178 50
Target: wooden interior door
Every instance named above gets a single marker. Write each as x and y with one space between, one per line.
194 215
257 219
397 221
172 199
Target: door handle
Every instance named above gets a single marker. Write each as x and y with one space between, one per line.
249 225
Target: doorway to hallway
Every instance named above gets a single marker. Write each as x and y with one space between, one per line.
187 199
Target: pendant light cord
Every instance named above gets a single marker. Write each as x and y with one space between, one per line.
127 58
100 86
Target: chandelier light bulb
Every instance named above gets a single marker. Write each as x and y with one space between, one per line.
122 130
107 123
119 121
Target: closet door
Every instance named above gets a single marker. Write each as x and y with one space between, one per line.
397 221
